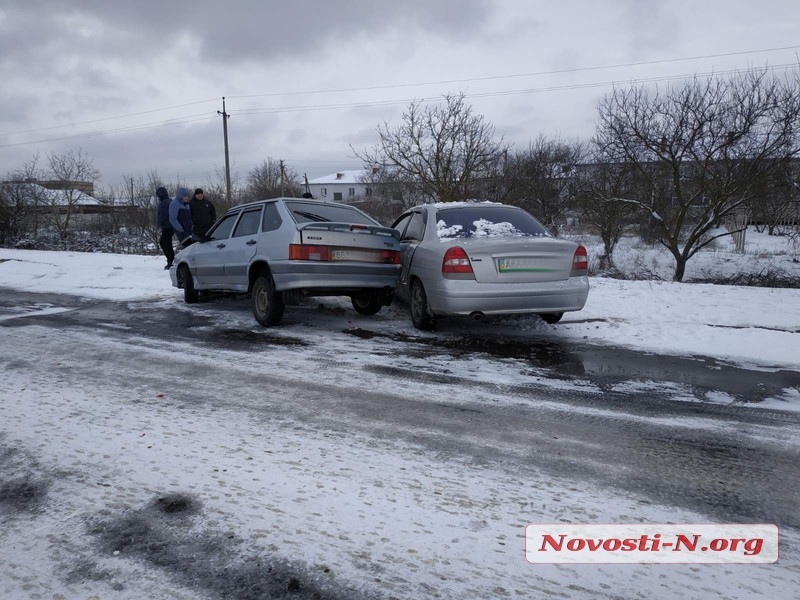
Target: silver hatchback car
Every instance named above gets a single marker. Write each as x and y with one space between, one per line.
486 258
281 249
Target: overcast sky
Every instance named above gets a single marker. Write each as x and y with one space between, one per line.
137 85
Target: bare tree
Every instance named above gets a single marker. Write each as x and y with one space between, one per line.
440 152
710 141
778 202
69 171
215 189
541 179
393 192
111 220
20 202
271 179
132 205
603 197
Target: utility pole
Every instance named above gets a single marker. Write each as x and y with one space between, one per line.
283 179
225 117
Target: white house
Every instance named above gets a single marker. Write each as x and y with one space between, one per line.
343 186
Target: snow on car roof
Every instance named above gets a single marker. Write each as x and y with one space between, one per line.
464 203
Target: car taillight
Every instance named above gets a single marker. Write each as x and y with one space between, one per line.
304 252
456 263
580 262
343 254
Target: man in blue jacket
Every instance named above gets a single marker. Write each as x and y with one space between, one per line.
180 216
167 231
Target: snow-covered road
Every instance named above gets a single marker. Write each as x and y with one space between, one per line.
247 464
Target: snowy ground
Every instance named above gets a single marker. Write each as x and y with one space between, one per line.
265 471
762 254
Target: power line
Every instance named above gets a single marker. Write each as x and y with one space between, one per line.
441 82
136 114
320 107
665 78
517 75
176 121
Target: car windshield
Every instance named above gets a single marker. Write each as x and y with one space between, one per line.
307 212
486 221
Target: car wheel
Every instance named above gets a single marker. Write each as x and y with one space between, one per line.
552 318
190 295
420 316
367 303
267 304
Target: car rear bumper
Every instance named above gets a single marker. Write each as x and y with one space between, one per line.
464 297
291 275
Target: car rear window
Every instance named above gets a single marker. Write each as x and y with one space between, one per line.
486 221
306 212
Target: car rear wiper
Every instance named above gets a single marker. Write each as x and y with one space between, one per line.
310 216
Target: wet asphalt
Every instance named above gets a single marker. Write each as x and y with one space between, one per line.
603 366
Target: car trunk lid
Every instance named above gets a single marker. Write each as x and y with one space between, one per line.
351 242
519 259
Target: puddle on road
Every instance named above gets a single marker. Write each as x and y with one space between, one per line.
230 337
364 334
605 366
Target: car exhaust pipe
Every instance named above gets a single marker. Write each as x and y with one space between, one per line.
477 315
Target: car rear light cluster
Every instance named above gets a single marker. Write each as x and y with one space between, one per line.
580 262
456 264
339 253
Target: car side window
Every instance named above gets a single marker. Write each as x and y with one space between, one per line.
416 227
248 224
272 218
223 229
401 223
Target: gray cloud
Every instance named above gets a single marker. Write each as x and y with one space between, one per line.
132 70
239 30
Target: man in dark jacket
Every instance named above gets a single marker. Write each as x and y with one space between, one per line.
204 215
180 217
167 231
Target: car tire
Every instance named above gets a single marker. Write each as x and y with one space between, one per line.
418 304
190 295
267 304
552 318
367 303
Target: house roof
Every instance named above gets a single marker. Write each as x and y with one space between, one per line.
343 177
54 197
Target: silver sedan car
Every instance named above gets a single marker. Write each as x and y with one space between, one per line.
282 249
486 258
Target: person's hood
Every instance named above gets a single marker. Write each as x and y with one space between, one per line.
162 193
182 193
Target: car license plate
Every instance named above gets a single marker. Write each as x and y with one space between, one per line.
356 255
523 265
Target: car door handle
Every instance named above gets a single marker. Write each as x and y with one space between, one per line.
251 242
220 245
